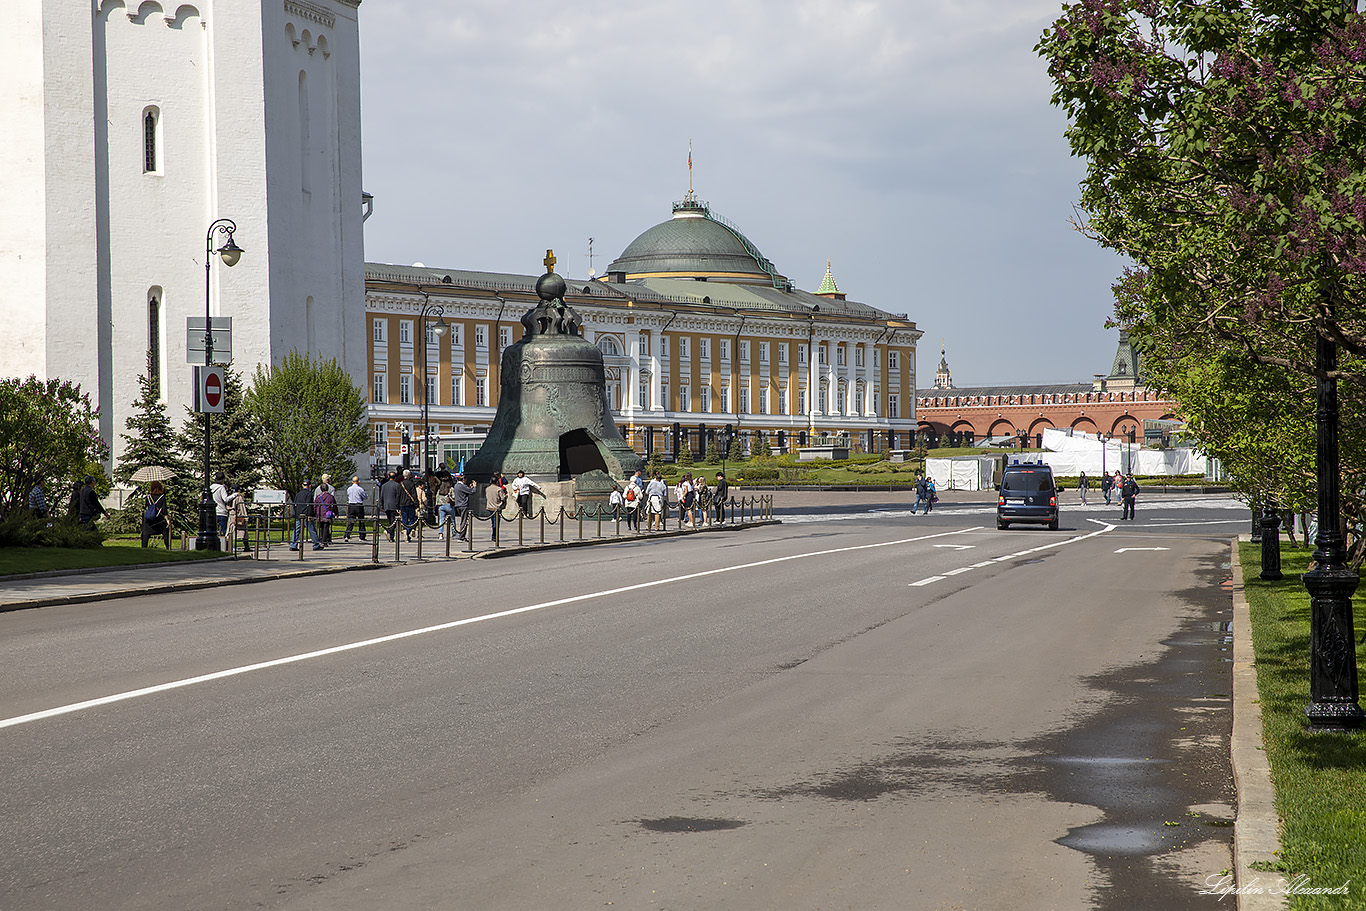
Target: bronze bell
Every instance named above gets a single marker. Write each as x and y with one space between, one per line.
553 419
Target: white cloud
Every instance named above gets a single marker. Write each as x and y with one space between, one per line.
912 143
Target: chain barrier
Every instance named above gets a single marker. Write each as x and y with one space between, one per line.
263 526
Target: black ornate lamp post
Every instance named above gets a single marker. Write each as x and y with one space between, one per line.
230 253
430 309
1270 523
1333 692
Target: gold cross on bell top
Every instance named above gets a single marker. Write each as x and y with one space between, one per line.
549 260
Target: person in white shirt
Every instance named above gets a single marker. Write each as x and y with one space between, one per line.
221 501
355 507
522 486
657 494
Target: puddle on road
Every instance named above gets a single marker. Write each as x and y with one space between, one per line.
679 824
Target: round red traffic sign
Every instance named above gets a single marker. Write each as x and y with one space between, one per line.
213 390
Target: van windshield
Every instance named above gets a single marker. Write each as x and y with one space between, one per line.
1027 481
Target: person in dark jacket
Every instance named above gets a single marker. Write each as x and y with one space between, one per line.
720 494
304 512
91 508
408 502
390 500
325 504
1128 492
922 494
460 494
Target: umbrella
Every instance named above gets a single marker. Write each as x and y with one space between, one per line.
152 473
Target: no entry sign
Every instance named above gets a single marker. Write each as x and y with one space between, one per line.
209 390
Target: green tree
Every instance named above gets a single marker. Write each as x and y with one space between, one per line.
234 439
685 457
48 435
759 446
312 419
1226 155
713 456
735 453
149 439
654 464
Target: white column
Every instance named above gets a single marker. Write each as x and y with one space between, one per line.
656 386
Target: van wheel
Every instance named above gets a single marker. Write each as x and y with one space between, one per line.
1002 524
1053 526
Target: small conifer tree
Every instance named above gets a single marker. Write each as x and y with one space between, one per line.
149 439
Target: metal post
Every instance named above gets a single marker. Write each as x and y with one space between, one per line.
1271 543
471 520
1332 663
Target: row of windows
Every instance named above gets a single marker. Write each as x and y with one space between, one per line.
610 348
407 383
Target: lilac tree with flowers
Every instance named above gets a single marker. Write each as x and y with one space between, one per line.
1225 143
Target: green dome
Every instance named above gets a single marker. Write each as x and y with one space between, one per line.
694 243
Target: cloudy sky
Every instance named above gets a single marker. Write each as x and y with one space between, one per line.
909 143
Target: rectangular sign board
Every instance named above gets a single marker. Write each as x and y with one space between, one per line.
221 326
268 497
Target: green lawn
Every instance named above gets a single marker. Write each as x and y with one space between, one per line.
1320 779
114 553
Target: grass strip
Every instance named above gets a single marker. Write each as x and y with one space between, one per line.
1320 779
18 560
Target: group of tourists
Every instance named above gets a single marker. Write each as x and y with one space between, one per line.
698 503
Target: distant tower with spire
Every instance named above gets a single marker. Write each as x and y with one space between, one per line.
828 287
943 377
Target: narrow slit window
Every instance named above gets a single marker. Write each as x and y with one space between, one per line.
150 156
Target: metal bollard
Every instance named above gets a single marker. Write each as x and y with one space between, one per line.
471 520
421 523
374 554
447 526
520 516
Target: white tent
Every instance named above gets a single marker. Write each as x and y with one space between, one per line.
962 473
1072 454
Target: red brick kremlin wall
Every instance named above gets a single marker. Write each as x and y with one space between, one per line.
1006 411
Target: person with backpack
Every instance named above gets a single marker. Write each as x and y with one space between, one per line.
922 494
630 505
155 522
325 503
1107 486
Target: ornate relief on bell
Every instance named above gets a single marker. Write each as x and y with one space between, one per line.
553 419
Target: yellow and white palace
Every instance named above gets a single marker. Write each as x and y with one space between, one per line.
698 330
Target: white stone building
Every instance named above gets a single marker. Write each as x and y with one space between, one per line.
129 128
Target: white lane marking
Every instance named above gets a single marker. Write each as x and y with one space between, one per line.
957 546
1023 553
983 563
407 634
1124 550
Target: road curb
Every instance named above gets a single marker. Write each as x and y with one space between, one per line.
191 585
87 570
1256 830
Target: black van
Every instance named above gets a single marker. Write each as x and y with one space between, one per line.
1027 494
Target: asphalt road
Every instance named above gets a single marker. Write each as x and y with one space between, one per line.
855 709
